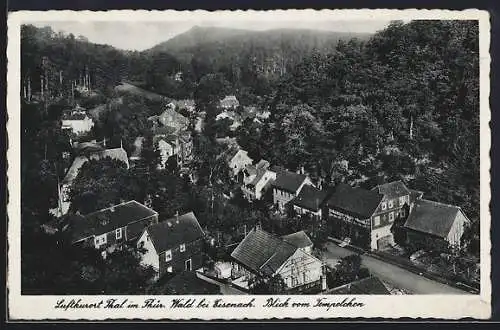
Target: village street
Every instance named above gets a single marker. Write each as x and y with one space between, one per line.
392 274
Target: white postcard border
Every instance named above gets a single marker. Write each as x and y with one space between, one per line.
22 307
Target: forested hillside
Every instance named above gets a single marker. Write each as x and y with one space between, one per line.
249 58
404 105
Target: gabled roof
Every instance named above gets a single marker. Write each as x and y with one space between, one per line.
189 283
74 169
298 239
310 198
392 190
289 181
262 252
172 232
356 202
229 101
108 219
369 285
432 217
116 154
170 117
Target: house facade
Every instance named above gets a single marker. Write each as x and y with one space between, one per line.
309 201
107 228
287 186
263 255
173 245
257 179
238 160
354 214
435 224
397 202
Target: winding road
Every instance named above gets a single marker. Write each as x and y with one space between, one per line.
392 274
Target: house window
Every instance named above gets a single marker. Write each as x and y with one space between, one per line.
100 240
169 269
168 255
182 247
391 204
376 221
402 200
391 217
187 265
118 233
384 205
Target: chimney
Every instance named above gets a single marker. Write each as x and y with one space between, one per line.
177 217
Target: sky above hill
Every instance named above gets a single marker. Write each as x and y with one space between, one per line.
143 35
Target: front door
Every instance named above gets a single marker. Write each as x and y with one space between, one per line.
187 265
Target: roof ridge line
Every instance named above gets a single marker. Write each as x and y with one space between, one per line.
441 203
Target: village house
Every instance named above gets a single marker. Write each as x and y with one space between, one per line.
237 159
300 240
170 118
287 186
355 214
185 104
229 102
173 245
368 285
256 180
171 142
107 228
397 202
309 201
435 224
88 151
77 121
263 255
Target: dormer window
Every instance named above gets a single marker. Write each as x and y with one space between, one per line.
182 247
384 205
391 203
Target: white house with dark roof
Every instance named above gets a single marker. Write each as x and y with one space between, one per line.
263 255
257 179
77 121
238 160
173 245
441 223
287 186
106 228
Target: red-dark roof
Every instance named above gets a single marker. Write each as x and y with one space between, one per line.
262 252
108 219
170 233
298 239
310 198
369 285
357 202
432 217
392 190
289 181
189 283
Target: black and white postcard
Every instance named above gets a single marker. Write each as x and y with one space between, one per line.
238 165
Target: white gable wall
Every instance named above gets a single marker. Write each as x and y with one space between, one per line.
457 229
301 268
150 258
